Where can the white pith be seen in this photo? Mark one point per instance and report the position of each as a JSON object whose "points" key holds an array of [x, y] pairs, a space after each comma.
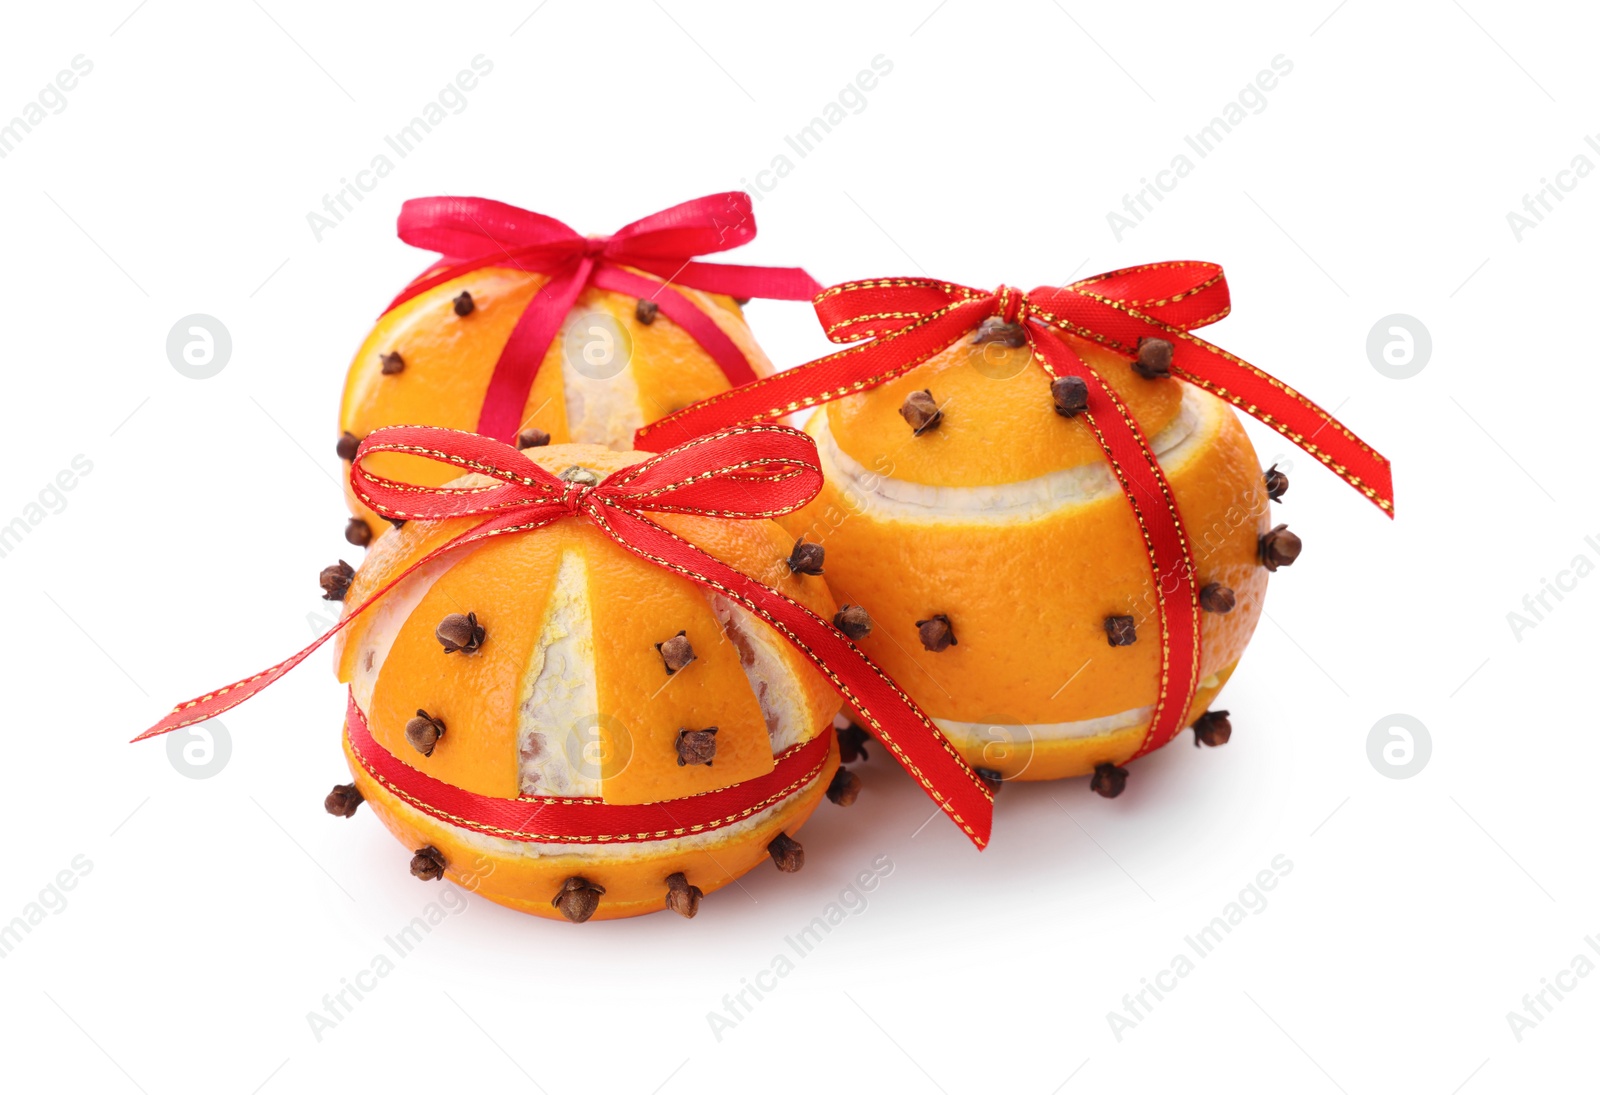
{"points": [[762, 661], [888, 498], [557, 739], [601, 412], [386, 618], [972, 737]]}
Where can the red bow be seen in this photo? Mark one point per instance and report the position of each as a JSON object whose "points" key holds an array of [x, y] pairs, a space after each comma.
{"points": [[471, 233], [747, 473], [909, 320]]}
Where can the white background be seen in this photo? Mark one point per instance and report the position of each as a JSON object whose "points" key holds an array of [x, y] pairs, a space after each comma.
{"points": [[218, 912]]}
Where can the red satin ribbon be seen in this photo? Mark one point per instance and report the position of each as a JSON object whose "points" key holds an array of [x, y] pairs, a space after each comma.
{"points": [[471, 233], [747, 473], [552, 820], [909, 320]]}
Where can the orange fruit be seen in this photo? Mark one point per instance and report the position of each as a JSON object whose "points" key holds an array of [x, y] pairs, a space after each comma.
{"points": [[605, 374], [1004, 520], [565, 693]]}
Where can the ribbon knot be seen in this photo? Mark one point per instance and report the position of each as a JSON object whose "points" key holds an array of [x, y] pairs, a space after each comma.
{"points": [[1010, 303], [639, 259], [745, 473]]}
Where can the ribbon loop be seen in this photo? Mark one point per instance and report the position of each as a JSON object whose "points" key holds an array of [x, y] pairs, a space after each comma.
{"points": [[474, 233]]}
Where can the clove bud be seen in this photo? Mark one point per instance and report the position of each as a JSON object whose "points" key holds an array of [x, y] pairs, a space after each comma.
{"points": [[936, 633], [1212, 728], [1216, 597], [357, 532], [806, 558], [427, 864], [336, 580], [1070, 394], [921, 412], [854, 622], [1277, 483], [348, 444], [683, 898], [531, 438], [787, 853], [852, 744], [463, 304], [424, 732], [992, 777], [1279, 547], [675, 653], [844, 787], [458, 633], [393, 363], [1108, 780], [645, 312], [342, 800], [578, 898], [1121, 630], [697, 746], [1155, 358], [995, 329], [577, 473]]}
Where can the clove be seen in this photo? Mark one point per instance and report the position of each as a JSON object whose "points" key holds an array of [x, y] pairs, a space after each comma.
{"points": [[336, 580], [1108, 780], [424, 732], [1216, 597], [342, 800], [1120, 630], [786, 853], [936, 633], [460, 634], [844, 787], [675, 653], [427, 864], [1279, 547], [697, 746], [578, 898], [921, 412], [683, 898], [854, 622], [1212, 728]]}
